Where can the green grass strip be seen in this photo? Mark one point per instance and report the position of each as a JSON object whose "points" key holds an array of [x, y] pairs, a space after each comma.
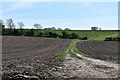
{"points": [[71, 49], [61, 55]]}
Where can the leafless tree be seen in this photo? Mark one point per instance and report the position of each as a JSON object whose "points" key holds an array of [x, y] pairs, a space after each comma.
{"points": [[37, 26], [10, 25], [1, 22], [20, 24], [1, 26], [13, 25]]}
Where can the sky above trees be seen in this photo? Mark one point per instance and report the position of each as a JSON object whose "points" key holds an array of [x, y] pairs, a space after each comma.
{"points": [[74, 15]]}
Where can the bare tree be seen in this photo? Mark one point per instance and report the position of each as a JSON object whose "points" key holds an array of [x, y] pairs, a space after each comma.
{"points": [[20, 24], [10, 25], [37, 26], [1, 22], [13, 25], [2, 26]]}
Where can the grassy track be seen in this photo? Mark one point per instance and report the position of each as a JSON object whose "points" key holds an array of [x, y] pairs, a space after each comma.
{"points": [[71, 49]]}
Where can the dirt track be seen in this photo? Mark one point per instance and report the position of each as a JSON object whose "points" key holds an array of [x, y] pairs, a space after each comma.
{"points": [[84, 67], [89, 68]]}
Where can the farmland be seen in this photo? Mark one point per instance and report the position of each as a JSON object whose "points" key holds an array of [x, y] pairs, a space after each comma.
{"points": [[104, 50], [59, 40], [45, 57], [84, 61], [29, 55], [32, 46]]}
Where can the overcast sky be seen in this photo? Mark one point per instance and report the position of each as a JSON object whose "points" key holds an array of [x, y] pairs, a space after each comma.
{"points": [[74, 15]]}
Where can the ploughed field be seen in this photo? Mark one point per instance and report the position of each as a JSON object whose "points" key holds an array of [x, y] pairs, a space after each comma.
{"points": [[104, 50], [29, 55], [18, 47]]}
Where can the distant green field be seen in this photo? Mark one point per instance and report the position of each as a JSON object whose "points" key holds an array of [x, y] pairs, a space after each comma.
{"points": [[92, 35]]}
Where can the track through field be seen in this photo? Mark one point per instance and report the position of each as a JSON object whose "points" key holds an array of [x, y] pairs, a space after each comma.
{"points": [[85, 67]]}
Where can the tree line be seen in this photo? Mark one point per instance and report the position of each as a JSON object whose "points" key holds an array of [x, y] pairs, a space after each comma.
{"points": [[37, 31]]}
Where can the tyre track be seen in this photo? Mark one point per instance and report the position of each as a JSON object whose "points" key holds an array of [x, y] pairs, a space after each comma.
{"points": [[84, 67]]}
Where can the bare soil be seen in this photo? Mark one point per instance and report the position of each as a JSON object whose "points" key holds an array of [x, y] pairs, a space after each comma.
{"points": [[30, 56], [103, 50], [103, 65], [85, 68]]}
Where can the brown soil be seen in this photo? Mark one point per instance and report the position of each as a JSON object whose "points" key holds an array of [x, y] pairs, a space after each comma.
{"points": [[104, 50], [33, 58], [85, 68], [30, 56]]}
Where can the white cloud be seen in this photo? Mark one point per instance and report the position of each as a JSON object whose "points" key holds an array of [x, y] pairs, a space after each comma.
{"points": [[16, 6]]}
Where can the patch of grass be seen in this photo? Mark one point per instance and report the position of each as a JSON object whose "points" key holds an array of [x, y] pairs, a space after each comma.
{"points": [[73, 45], [71, 49], [61, 55]]}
